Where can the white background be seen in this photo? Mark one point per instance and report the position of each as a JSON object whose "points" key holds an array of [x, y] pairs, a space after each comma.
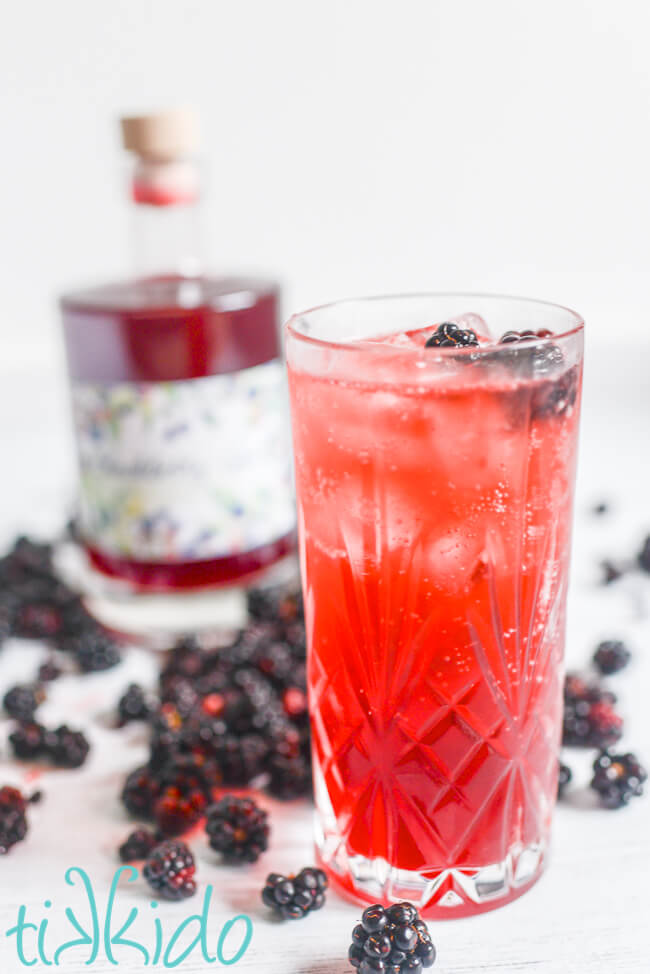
{"points": [[354, 147]]}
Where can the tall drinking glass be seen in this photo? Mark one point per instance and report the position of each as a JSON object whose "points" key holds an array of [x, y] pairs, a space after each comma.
{"points": [[435, 493]]}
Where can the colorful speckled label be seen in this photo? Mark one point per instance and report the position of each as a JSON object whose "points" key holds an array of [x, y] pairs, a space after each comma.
{"points": [[189, 470]]}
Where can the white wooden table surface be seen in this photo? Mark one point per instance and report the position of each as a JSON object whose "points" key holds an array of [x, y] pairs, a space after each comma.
{"points": [[589, 913]]}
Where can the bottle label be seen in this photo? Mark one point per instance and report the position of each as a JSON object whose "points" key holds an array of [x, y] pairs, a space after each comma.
{"points": [[187, 470]]}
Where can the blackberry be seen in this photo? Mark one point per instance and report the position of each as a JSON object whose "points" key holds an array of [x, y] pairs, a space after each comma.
{"points": [[66, 748], [393, 940], [170, 870], [449, 335], [238, 829], [94, 651], [591, 724], [273, 604], [39, 620], [601, 508], [49, 670], [644, 555], [133, 705], [32, 556], [180, 692], [294, 704], [564, 778], [293, 897], [190, 773], [13, 820], [617, 779], [611, 656], [137, 845], [186, 659], [240, 759], [166, 726], [140, 792], [28, 741], [290, 777], [589, 716], [176, 811], [22, 700]]}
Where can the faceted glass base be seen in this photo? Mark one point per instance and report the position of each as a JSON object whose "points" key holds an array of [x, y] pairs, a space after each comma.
{"points": [[442, 894]]}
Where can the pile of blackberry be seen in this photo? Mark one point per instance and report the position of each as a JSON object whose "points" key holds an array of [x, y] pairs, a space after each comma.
{"points": [[228, 716], [36, 604], [293, 897], [590, 720], [391, 940]]}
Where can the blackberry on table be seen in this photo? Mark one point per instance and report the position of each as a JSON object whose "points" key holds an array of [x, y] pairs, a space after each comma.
{"points": [[273, 604], [66, 748], [49, 670], [94, 651], [589, 716], [28, 741], [137, 845], [617, 779], [133, 705], [611, 656], [170, 870], [293, 897], [238, 828], [393, 940], [564, 778], [140, 792], [22, 700], [13, 820], [39, 620]]}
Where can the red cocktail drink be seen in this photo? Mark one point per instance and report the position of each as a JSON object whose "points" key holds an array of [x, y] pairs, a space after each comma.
{"points": [[435, 491]]}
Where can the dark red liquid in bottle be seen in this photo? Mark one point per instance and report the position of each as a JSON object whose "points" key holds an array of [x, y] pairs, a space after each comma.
{"points": [[167, 329]]}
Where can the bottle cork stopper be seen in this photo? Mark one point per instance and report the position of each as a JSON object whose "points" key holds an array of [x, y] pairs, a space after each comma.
{"points": [[163, 136]]}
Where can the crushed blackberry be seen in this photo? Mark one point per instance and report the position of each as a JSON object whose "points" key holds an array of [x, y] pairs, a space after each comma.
{"points": [[170, 870], [293, 897], [393, 940], [49, 670], [644, 555], [140, 792], [238, 829], [28, 741], [290, 777], [66, 748], [94, 651], [564, 778], [449, 335], [22, 700], [617, 779], [137, 845], [13, 820], [176, 811], [134, 704], [611, 572], [611, 656]]}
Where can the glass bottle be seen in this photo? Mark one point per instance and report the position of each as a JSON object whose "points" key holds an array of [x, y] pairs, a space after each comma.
{"points": [[178, 396]]}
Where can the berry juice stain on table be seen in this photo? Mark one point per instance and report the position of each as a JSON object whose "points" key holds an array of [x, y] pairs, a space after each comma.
{"points": [[178, 397], [435, 472]]}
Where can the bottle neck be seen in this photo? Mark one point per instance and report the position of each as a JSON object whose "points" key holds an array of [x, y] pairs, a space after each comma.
{"points": [[166, 219]]}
